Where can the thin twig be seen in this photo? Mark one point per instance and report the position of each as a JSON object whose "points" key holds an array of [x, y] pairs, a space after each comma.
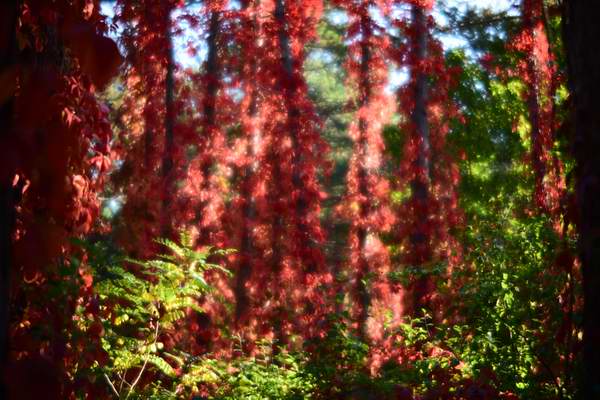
{"points": [[122, 380], [137, 379], [111, 386]]}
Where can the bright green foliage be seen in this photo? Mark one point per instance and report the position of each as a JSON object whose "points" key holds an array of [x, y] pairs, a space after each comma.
{"points": [[339, 361], [509, 289], [511, 296], [343, 365], [142, 299], [265, 376]]}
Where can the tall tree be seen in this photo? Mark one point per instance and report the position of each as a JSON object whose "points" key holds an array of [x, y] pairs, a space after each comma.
{"points": [[367, 201], [539, 69], [420, 235], [8, 192], [54, 162], [583, 55], [245, 221], [211, 145], [151, 163], [167, 162], [294, 156], [427, 171]]}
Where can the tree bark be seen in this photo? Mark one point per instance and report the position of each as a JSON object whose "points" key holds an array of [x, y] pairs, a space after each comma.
{"points": [[581, 32], [209, 118], [244, 272], [420, 185], [8, 194], [167, 161], [362, 287], [293, 114]]}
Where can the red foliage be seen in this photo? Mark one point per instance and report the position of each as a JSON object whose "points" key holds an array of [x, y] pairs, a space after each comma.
{"points": [[428, 171], [247, 225], [539, 71], [58, 158], [282, 154], [366, 204], [144, 151], [542, 77], [164, 190], [205, 184], [450, 381]]}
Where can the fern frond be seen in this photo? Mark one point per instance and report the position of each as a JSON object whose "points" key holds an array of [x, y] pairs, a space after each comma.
{"points": [[162, 365]]}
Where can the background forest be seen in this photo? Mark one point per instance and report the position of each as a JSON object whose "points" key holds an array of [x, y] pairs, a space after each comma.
{"points": [[285, 199]]}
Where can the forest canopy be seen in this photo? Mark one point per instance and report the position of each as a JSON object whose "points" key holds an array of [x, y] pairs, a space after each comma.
{"points": [[286, 199]]}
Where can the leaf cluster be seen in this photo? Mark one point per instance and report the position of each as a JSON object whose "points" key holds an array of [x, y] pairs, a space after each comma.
{"points": [[142, 302]]}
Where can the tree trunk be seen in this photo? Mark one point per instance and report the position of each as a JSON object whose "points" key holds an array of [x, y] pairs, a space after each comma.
{"points": [[581, 33], [8, 194], [209, 118], [542, 84], [167, 161], [244, 272], [419, 239], [362, 287], [293, 115]]}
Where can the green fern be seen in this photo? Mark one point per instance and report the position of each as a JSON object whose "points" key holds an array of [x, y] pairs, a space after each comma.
{"points": [[141, 304]]}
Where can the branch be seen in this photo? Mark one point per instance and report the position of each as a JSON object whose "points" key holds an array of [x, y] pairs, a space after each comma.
{"points": [[111, 386], [137, 379], [123, 381]]}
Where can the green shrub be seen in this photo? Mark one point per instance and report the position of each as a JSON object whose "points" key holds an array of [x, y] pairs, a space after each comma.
{"points": [[139, 300]]}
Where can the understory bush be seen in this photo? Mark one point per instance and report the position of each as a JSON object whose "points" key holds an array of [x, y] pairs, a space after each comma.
{"points": [[143, 303]]}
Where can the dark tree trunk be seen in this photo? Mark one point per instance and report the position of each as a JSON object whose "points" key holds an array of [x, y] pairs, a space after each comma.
{"points": [[581, 37], [420, 185], [209, 119], [212, 71], [8, 194], [167, 162], [284, 39], [362, 287], [244, 272], [293, 114], [293, 123]]}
